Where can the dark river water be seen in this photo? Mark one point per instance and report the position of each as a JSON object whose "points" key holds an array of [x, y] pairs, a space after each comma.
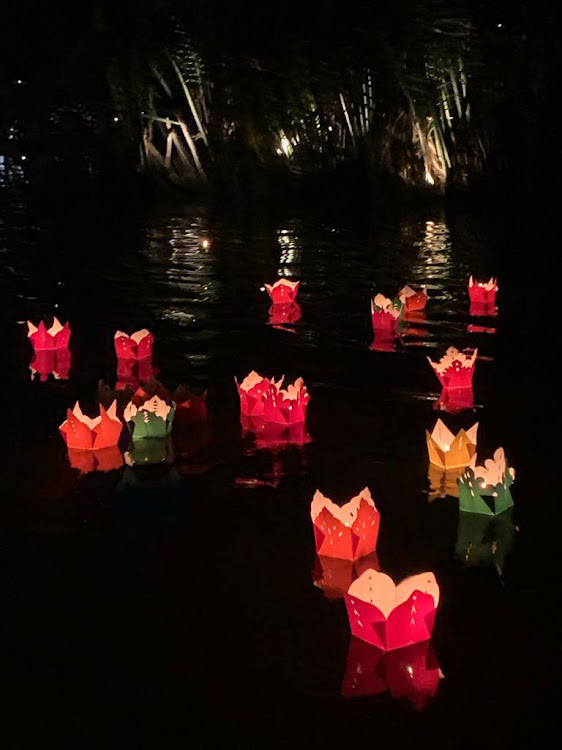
{"points": [[183, 599]]}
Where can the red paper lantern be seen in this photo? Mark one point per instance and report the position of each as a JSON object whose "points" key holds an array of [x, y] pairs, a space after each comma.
{"points": [[483, 292], [283, 291], [48, 339], [252, 391], [384, 315], [136, 346]]}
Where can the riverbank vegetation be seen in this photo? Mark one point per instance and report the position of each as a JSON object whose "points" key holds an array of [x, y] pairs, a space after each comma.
{"points": [[429, 95]]}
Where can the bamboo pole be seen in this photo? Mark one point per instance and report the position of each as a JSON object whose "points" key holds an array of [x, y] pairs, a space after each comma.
{"points": [[192, 148], [348, 121], [190, 103]]}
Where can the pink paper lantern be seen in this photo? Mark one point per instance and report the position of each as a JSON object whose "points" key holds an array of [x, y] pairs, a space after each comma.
{"points": [[286, 406], [455, 369], [389, 616]]}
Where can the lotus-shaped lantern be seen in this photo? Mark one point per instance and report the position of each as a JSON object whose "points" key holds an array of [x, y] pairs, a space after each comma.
{"points": [[386, 313], [391, 616], [48, 339], [348, 532], [150, 412], [83, 433], [252, 391], [283, 291], [455, 369], [448, 451], [485, 489], [483, 292], [136, 346]]}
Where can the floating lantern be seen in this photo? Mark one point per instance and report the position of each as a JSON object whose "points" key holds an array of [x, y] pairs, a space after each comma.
{"points": [[189, 407], [389, 616], [411, 672], [55, 362], [285, 313], [455, 369], [483, 292], [136, 346], [347, 532], [334, 575], [448, 451], [413, 301], [82, 433], [104, 459], [485, 540], [252, 391], [385, 313], [286, 406], [48, 339], [283, 291], [485, 489], [150, 412]]}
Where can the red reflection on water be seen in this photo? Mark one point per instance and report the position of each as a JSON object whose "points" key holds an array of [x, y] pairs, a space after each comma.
{"points": [[454, 401], [483, 309], [384, 341], [480, 329], [411, 672], [273, 435], [131, 373], [55, 362], [281, 314], [335, 576]]}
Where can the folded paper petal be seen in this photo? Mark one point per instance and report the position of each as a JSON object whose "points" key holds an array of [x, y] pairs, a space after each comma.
{"points": [[389, 616], [286, 406]]}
